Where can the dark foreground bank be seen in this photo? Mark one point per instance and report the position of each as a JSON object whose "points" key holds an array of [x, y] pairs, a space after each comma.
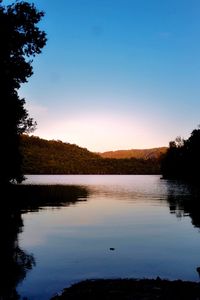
{"points": [[132, 289]]}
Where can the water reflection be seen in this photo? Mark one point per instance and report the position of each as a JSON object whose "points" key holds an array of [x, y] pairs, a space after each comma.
{"points": [[127, 213], [184, 200], [15, 262]]}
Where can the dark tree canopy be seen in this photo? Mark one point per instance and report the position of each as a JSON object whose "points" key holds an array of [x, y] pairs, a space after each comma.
{"points": [[182, 160], [20, 40]]}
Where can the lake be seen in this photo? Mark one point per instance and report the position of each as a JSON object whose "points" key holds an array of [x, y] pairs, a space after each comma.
{"points": [[116, 226]]}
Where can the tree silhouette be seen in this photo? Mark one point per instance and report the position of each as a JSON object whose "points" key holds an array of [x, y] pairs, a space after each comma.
{"points": [[182, 159], [20, 40]]}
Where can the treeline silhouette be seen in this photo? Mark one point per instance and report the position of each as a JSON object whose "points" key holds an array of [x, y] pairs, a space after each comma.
{"points": [[55, 157], [182, 159]]}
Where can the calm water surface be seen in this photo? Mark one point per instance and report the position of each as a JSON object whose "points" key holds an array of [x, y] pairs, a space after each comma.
{"points": [[148, 222]]}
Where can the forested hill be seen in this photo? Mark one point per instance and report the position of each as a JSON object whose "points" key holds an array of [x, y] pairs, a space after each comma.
{"points": [[55, 157], [43, 156], [135, 153]]}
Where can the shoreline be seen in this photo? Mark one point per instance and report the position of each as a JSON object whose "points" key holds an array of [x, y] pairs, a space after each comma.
{"points": [[131, 289]]}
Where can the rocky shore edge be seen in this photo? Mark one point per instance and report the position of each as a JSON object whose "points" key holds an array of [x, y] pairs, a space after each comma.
{"points": [[131, 289]]}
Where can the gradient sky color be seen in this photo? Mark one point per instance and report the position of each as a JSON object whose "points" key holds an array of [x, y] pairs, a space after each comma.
{"points": [[117, 74]]}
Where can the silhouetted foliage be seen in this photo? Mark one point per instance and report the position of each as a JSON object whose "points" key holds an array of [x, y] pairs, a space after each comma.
{"points": [[182, 159], [20, 40], [55, 157]]}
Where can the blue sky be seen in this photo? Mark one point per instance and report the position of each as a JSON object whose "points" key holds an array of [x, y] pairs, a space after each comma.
{"points": [[117, 74]]}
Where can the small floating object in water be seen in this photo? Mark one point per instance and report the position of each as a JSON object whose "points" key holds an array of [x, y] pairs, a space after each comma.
{"points": [[112, 249]]}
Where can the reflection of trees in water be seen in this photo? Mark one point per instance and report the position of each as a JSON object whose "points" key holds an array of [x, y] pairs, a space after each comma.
{"points": [[184, 200], [15, 262]]}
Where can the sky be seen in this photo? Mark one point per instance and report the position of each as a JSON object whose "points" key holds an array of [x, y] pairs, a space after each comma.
{"points": [[117, 74]]}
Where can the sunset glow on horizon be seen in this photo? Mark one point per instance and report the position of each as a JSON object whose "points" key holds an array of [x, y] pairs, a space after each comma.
{"points": [[100, 133]]}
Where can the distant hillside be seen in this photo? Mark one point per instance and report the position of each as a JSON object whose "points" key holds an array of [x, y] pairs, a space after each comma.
{"points": [[153, 153], [43, 156], [55, 157]]}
